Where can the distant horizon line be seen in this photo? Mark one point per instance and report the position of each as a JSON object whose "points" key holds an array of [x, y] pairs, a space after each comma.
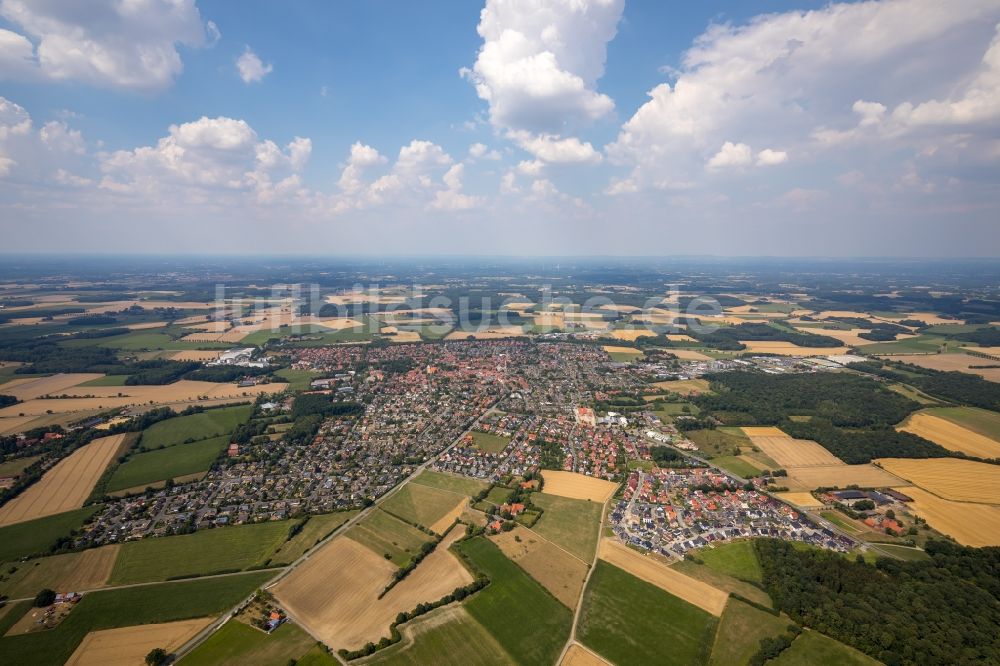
{"points": [[389, 256]]}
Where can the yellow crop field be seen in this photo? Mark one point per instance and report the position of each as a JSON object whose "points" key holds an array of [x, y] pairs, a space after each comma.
{"points": [[950, 478], [841, 476], [926, 317], [616, 349], [444, 521], [86, 570], [577, 655], [970, 524], [487, 334], [558, 571], [334, 594], [788, 349], [578, 486], [953, 362], [127, 646], [800, 499], [30, 388], [684, 386], [693, 591], [631, 334], [404, 336], [64, 487], [196, 355], [951, 436], [107, 397], [789, 452], [763, 431]]}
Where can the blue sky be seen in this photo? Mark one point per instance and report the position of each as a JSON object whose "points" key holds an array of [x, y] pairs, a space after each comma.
{"points": [[510, 127]]}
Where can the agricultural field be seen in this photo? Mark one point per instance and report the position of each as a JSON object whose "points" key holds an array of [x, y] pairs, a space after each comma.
{"points": [[622, 354], [31, 388], [578, 655], [201, 553], [714, 442], [840, 476], [13, 468], [317, 528], [180, 394], [788, 349], [790, 452], [919, 345], [578, 486], [558, 571], [426, 506], [950, 435], [126, 646], [35, 537], [812, 647], [738, 466], [65, 486], [180, 429], [737, 559], [721, 581], [86, 570], [683, 386], [628, 621], [648, 569], [969, 524], [348, 614], [949, 478], [489, 442], [954, 362], [387, 535], [447, 636], [631, 334], [298, 380], [452, 482], [128, 607], [518, 612], [800, 499], [981, 421], [740, 631], [239, 643], [179, 460], [571, 524]]}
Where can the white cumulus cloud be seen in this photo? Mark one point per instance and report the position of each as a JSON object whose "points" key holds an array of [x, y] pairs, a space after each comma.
{"points": [[251, 68]]}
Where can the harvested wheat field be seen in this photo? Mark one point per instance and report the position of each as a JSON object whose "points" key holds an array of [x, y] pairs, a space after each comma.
{"points": [[335, 593], [954, 362], [558, 571], [31, 388], [86, 570], [850, 337], [951, 436], [788, 451], [840, 476], [487, 334], [684, 386], [64, 487], [196, 355], [800, 499], [788, 349], [827, 314], [763, 431], [128, 646], [693, 591], [404, 336], [203, 337], [617, 349], [577, 655], [578, 486], [950, 478], [446, 520], [632, 334], [970, 524], [107, 397]]}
